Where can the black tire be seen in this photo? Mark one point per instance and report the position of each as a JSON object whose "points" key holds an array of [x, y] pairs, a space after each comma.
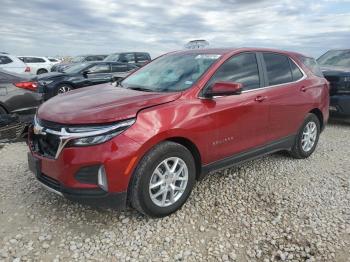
{"points": [[297, 150], [2, 111], [41, 71], [59, 88], [140, 187]]}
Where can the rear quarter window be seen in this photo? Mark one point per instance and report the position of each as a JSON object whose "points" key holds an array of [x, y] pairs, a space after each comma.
{"points": [[312, 65]]}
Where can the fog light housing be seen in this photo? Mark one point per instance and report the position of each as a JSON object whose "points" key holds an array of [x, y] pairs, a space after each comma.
{"points": [[102, 178]]}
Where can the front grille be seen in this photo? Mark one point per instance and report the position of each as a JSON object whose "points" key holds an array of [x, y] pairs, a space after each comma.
{"points": [[46, 144], [50, 182]]}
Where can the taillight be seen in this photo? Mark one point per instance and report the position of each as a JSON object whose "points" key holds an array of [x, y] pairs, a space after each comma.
{"points": [[32, 86], [27, 70]]}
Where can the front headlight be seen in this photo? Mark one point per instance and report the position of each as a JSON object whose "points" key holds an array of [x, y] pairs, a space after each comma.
{"points": [[87, 136]]}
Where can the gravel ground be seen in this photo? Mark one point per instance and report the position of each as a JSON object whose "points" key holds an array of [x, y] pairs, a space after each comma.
{"points": [[275, 208]]}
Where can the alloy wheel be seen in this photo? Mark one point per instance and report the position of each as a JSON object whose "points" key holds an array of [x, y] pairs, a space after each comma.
{"points": [[309, 136], [168, 181], [64, 89]]}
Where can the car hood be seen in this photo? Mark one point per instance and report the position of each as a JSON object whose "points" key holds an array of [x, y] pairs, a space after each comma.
{"points": [[100, 104], [335, 70]]}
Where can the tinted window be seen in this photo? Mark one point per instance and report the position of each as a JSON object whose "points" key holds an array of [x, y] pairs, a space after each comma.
{"points": [[52, 60], [127, 58], [278, 69], [103, 68], [296, 72], [32, 60], [142, 57], [5, 60], [90, 58], [312, 65], [335, 58], [119, 68], [242, 69]]}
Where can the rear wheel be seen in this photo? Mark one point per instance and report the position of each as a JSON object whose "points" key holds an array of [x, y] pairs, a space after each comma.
{"points": [[64, 88], [41, 71], [307, 138], [163, 180]]}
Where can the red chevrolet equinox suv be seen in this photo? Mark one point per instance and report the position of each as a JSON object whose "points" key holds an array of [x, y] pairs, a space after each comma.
{"points": [[145, 142]]}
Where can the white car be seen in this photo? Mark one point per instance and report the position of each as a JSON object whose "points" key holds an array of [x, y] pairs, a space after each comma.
{"points": [[37, 64], [12, 63]]}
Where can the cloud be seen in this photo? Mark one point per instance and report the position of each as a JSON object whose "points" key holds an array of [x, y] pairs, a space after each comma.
{"points": [[41, 27]]}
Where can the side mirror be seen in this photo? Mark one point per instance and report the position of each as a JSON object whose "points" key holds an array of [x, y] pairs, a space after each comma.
{"points": [[85, 73], [224, 89]]}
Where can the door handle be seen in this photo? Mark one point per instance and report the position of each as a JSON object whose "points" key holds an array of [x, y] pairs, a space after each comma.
{"points": [[303, 89], [260, 98]]}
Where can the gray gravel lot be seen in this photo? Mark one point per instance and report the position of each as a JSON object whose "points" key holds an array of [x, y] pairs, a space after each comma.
{"points": [[275, 208]]}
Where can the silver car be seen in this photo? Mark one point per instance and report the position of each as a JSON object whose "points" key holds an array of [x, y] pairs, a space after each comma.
{"points": [[18, 94]]}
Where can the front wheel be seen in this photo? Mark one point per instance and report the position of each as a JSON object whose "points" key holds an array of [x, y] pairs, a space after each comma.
{"points": [[163, 180], [307, 138]]}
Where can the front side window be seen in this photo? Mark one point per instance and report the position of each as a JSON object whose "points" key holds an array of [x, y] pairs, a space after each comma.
{"points": [[104, 68], [171, 73], [127, 58], [5, 60], [278, 69], [242, 68], [112, 58], [142, 58]]}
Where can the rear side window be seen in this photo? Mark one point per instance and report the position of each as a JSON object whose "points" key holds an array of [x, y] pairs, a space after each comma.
{"points": [[312, 65], [5, 60], [242, 68], [296, 72], [100, 68], [32, 60], [278, 69]]}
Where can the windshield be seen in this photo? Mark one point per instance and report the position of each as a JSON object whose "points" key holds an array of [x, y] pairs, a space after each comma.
{"points": [[112, 58], [76, 68], [78, 59], [171, 73], [335, 58]]}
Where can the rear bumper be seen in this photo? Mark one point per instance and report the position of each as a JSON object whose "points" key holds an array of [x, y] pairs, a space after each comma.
{"points": [[340, 106]]}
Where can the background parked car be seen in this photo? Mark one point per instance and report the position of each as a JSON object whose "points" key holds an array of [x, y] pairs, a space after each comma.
{"points": [[78, 59], [12, 64], [336, 69], [18, 93], [134, 58], [82, 75], [54, 60], [37, 64]]}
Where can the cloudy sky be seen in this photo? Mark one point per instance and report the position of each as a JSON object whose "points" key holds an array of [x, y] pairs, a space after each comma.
{"points": [[62, 27]]}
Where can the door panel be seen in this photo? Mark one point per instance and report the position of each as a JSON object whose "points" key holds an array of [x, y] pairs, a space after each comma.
{"points": [[240, 120], [241, 123]]}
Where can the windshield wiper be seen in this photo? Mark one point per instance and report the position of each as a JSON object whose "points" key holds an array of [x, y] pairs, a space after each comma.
{"points": [[139, 88]]}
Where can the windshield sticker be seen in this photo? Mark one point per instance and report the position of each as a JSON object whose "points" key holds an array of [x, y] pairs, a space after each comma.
{"points": [[207, 56]]}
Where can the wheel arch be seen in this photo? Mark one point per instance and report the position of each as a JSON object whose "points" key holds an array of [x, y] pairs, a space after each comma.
{"points": [[319, 115], [192, 148]]}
